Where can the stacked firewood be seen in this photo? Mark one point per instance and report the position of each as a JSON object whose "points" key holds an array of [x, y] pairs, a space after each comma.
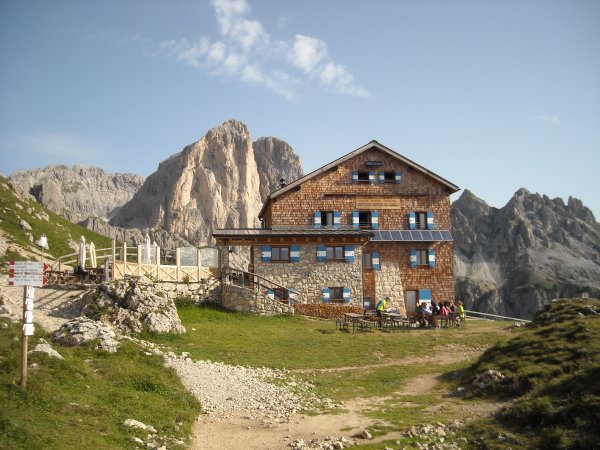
{"points": [[326, 310]]}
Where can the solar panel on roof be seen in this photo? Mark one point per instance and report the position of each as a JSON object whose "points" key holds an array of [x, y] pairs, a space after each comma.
{"points": [[436, 235], [415, 235], [405, 235], [446, 235], [426, 234], [396, 235]]}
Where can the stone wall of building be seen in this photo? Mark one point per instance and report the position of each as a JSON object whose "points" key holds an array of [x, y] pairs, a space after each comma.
{"points": [[208, 290], [308, 277], [397, 276], [236, 298]]}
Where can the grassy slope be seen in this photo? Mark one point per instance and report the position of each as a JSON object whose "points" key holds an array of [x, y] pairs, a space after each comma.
{"points": [[552, 373], [83, 400], [58, 230]]}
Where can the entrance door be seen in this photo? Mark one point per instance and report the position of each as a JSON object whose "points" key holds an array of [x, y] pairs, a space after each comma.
{"points": [[369, 280], [410, 300]]}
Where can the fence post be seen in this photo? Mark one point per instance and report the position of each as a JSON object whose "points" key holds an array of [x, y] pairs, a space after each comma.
{"points": [[124, 259], [177, 264], [139, 260], [198, 262], [157, 259]]}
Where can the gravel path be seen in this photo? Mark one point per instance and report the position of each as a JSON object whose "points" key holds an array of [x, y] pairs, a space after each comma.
{"points": [[263, 395]]}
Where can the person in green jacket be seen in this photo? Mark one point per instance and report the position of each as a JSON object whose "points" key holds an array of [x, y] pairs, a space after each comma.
{"points": [[381, 304]]}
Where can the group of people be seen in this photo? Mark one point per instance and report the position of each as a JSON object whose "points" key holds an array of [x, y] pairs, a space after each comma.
{"points": [[431, 315]]}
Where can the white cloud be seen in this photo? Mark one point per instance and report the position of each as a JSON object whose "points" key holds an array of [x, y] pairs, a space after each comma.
{"points": [[247, 52], [554, 120], [307, 52]]}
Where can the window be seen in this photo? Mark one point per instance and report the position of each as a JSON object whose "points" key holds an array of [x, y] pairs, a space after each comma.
{"points": [[335, 254], [363, 177], [367, 261], [364, 219], [336, 294], [422, 257], [420, 220], [389, 177], [327, 218], [280, 254]]}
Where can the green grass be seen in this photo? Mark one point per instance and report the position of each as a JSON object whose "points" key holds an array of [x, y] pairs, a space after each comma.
{"points": [[297, 342], [59, 231], [551, 369], [83, 400], [551, 372]]}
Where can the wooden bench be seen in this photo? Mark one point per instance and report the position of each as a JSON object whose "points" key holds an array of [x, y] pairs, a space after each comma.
{"points": [[342, 324]]}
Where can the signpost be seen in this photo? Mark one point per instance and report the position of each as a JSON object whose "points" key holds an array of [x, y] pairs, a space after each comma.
{"points": [[27, 274]]}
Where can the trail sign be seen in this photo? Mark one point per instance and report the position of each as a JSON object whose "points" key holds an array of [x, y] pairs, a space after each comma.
{"points": [[27, 273], [26, 279], [27, 267]]}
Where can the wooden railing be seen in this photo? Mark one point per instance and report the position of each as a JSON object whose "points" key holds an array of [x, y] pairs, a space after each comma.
{"points": [[124, 261], [258, 283]]}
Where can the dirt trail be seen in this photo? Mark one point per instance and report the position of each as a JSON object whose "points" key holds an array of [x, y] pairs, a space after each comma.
{"points": [[237, 432]]}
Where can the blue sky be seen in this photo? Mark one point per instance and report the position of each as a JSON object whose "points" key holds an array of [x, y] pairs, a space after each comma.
{"points": [[492, 95]]}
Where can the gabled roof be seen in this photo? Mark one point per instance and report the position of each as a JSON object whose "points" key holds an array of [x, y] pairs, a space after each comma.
{"points": [[371, 145]]}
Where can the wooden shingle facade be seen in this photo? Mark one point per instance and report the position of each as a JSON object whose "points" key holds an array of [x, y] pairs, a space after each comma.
{"points": [[368, 225]]}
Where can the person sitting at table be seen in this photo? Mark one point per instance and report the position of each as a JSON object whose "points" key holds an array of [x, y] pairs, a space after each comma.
{"points": [[381, 304], [445, 311], [424, 316]]}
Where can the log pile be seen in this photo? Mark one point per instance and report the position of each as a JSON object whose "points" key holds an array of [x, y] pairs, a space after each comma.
{"points": [[326, 310]]}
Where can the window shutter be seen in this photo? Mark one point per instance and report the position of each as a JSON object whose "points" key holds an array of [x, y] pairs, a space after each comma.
{"points": [[355, 223], [425, 295], [430, 224], [375, 220], [367, 303], [321, 253], [376, 265], [271, 294], [292, 296], [432, 257], [346, 295], [317, 220], [382, 177], [295, 253], [325, 295], [413, 258], [398, 177], [412, 220], [337, 218], [266, 253], [355, 177], [349, 253], [372, 177]]}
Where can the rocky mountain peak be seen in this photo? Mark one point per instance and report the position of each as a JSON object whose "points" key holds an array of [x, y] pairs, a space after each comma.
{"points": [[216, 182], [514, 259], [78, 192]]}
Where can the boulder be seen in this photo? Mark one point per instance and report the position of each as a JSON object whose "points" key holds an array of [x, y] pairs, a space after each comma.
{"points": [[132, 306], [46, 348], [80, 331]]}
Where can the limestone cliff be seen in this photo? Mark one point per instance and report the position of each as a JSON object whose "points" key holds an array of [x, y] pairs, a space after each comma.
{"points": [[78, 192], [513, 260], [217, 182]]}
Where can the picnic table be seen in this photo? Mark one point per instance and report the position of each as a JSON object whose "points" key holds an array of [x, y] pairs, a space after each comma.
{"points": [[395, 320]]}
